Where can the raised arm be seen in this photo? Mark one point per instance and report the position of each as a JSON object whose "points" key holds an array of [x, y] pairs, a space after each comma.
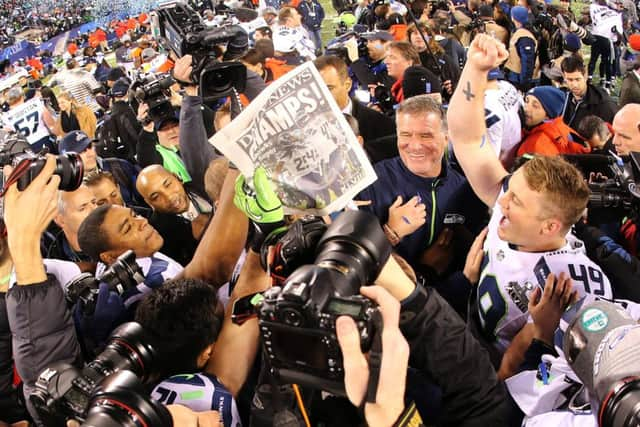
{"points": [[467, 129], [222, 241]]}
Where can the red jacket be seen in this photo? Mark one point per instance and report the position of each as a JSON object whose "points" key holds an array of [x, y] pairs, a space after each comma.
{"points": [[551, 138]]}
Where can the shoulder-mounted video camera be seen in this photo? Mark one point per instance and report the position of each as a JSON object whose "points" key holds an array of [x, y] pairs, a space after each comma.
{"points": [[154, 91], [179, 28]]}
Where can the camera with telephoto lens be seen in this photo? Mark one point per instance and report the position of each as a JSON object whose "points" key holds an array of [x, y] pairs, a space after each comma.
{"points": [[155, 92], [121, 276], [102, 393], [298, 320], [180, 29], [601, 346], [15, 151], [619, 194]]}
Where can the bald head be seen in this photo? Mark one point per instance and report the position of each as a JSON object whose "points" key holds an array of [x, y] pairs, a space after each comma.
{"points": [[626, 125], [162, 190]]}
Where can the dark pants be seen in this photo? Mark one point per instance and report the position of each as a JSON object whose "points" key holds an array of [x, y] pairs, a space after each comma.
{"points": [[601, 48], [10, 408]]}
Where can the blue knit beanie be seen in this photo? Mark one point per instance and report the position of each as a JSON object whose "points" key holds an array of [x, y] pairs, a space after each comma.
{"points": [[572, 42], [520, 14], [551, 98]]}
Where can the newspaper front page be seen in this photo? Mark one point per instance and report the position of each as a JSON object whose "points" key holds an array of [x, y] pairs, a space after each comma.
{"points": [[295, 130]]}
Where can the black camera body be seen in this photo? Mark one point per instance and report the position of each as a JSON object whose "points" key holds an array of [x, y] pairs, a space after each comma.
{"points": [[298, 320], [154, 91], [619, 193], [63, 391], [15, 150], [299, 337], [180, 29], [121, 276]]}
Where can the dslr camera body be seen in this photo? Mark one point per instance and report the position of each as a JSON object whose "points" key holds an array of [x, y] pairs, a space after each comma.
{"points": [[180, 29], [298, 320], [107, 391], [121, 276], [15, 151]]}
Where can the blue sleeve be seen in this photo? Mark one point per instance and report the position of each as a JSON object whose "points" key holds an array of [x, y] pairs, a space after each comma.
{"points": [[320, 12], [526, 48]]}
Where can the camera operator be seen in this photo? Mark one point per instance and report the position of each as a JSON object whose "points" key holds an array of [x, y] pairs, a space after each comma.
{"points": [[370, 71], [443, 348], [41, 326], [179, 214], [123, 123], [195, 150], [10, 407]]}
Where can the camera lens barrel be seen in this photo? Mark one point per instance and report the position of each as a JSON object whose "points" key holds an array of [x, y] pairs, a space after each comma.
{"points": [[356, 241]]}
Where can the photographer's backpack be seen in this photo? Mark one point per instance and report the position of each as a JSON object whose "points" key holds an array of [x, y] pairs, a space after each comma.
{"points": [[108, 142]]}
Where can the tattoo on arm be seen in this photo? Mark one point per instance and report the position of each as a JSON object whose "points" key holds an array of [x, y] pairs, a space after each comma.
{"points": [[467, 92]]}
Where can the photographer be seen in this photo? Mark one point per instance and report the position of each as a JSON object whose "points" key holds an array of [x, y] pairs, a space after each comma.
{"points": [[370, 70], [37, 339], [123, 123], [195, 150], [443, 349]]}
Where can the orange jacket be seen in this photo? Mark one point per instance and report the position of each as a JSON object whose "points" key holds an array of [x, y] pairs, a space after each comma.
{"points": [[551, 138], [278, 67], [399, 32]]}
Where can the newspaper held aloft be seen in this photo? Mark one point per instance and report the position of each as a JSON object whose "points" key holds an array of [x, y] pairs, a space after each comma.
{"points": [[295, 130]]}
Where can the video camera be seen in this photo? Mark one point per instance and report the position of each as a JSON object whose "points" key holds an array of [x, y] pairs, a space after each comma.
{"points": [[298, 319], [107, 391], [619, 192], [340, 46], [180, 29], [121, 276], [601, 347], [154, 91]]}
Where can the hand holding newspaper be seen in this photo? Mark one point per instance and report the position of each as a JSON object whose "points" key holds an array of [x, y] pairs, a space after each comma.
{"points": [[295, 130]]}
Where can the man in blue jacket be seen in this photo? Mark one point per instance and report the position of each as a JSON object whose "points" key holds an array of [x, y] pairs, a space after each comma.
{"points": [[312, 16], [420, 199]]}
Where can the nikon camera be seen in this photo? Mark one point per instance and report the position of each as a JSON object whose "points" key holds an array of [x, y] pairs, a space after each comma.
{"points": [[121, 276], [298, 320]]}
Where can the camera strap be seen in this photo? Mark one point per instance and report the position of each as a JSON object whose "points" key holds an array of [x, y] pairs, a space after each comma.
{"points": [[375, 358]]}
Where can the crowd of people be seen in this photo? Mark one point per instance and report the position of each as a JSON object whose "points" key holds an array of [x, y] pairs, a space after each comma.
{"points": [[506, 164], [50, 18]]}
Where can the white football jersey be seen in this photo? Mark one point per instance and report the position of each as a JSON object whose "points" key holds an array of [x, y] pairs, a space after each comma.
{"points": [[508, 276], [27, 120], [199, 392]]}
